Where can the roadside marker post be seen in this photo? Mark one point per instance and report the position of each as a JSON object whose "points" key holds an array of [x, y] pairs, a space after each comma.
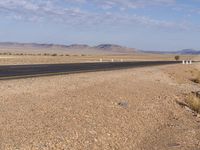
{"points": [[187, 62], [112, 60], [101, 60]]}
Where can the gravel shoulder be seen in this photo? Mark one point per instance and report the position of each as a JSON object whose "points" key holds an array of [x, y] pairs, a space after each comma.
{"points": [[125, 109]]}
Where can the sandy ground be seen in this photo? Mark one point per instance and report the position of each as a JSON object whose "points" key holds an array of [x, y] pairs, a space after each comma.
{"points": [[13, 60], [133, 109]]}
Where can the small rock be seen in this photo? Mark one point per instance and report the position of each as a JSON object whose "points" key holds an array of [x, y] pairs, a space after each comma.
{"points": [[195, 114], [95, 140], [198, 115], [198, 94], [174, 145], [188, 109], [108, 134], [198, 121], [123, 104]]}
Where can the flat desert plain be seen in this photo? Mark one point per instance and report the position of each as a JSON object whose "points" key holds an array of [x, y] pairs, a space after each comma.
{"points": [[131, 109], [25, 59]]}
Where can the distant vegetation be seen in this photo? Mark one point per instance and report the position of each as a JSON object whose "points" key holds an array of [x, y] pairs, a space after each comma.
{"points": [[197, 79], [177, 58], [54, 55], [26, 54], [193, 101]]}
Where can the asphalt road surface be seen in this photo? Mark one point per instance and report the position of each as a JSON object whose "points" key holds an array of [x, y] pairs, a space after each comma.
{"points": [[25, 71]]}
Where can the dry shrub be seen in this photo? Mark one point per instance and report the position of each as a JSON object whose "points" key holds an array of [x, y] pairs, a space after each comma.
{"points": [[193, 102], [197, 79], [46, 54], [54, 54]]}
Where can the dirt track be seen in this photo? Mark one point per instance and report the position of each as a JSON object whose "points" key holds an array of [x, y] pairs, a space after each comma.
{"points": [[82, 111]]}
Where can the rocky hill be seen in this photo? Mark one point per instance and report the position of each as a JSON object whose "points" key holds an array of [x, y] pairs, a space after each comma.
{"points": [[74, 48]]}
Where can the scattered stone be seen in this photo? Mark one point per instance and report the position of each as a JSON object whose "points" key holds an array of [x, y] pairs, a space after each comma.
{"points": [[197, 93], [188, 109], [195, 114], [174, 145], [198, 115], [182, 104], [123, 104], [95, 140]]}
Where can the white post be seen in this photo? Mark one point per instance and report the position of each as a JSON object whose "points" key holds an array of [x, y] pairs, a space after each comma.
{"points": [[112, 60], [183, 62], [190, 61], [101, 60], [122, 60], [187, 62]]}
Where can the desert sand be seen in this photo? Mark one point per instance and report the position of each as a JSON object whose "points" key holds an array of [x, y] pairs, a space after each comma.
{"points": [[122, 109], [25, 59]]}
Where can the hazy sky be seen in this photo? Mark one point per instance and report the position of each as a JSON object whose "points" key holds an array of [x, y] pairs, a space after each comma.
{"points": [[142, 24]]}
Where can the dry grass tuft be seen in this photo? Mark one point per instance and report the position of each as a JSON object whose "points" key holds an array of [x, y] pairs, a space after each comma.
{"points": [[193, 102], [197, 79]]}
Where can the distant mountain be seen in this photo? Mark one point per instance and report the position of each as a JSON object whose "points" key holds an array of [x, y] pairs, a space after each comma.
{"points": [[115, 48], [108, 46], [74, 48], [189, 51], [34, 45], [77, 46], [181, 52]]}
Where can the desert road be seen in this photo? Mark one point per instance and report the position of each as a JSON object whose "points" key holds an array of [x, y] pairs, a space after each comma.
{"points": [[25, 71]]}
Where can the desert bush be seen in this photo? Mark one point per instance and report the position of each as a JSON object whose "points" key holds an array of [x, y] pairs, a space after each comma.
{"points": [[54, 54], [197, 79], [193, 101], [46, 54], [5, 53], [177, 58]]}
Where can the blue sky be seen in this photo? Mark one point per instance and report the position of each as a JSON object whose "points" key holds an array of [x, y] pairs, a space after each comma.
{"points": [[142, 24]]}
